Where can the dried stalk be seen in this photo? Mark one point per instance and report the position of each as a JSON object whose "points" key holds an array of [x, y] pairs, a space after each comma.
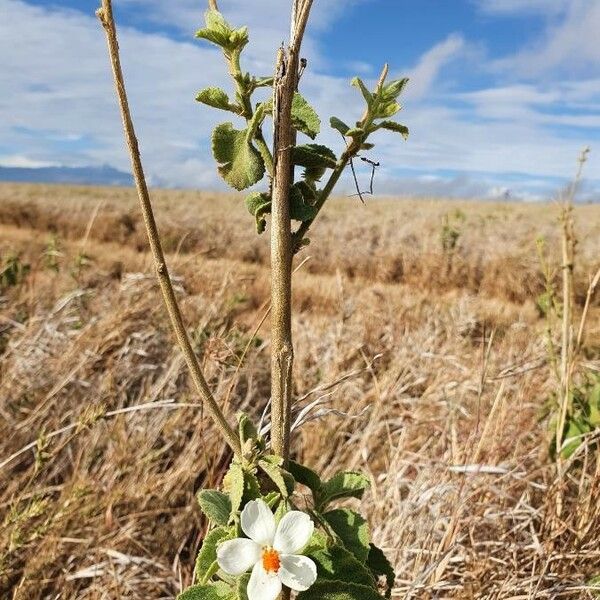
{"points": [[106, 18], [282, 354]]}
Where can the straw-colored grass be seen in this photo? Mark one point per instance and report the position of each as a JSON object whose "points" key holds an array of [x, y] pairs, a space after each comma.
{"points": [[438, 357]]}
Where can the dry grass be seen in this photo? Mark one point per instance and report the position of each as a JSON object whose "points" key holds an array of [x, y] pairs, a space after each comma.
{"points": [[444, 351]]}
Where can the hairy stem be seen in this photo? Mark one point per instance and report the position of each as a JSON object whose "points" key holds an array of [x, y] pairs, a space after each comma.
{"points": [[106, 17], [282, 354]]}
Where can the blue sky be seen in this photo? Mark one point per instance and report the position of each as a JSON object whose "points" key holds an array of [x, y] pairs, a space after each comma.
{"points": [[503, 93]]}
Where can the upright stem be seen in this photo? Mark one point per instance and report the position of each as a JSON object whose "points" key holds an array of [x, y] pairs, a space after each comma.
{"points": [[282, 353], [106, 17]]}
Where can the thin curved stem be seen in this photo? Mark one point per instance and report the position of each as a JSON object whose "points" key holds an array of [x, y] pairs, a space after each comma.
{"points": [[106, 17]]}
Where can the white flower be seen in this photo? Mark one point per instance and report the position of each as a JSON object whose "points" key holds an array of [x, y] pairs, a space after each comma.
{"points": [[271, 552]]}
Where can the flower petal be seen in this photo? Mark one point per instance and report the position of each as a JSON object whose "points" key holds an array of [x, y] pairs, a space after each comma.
{"points": [[297, 572], [263, 585], [258, 522], [237, 556], [293, 532]]}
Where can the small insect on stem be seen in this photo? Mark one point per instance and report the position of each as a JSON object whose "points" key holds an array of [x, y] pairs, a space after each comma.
{"points": [[303, 63], [374, 165]]}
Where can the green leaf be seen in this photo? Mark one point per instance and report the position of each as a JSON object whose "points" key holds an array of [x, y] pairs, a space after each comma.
{"points": [[346, 484], [215, 97], [358, 83], [251, 487], [308, 191], [263, 82], [238, 38], [246, 428], [352, 529], [387, 110], [233, 484], [339, 125], [313, 174], [394, 88], [314, 156], [271, 499], [300, 210], [304, 475], [381, 568], [355, 132], [206, 562], [240, 163], [215, 505], [282, 480], [337, 563], [220, 33], [339, 590], [242, 587], [259, 205], [212, 591], [304, 117], [396, 127], [576, 427], [217, 29]]}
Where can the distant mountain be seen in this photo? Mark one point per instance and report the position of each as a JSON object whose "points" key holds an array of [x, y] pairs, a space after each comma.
{"points": [[103, 175]]}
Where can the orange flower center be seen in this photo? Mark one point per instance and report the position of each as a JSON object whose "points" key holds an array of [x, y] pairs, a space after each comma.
{"points": [[270, 560]]}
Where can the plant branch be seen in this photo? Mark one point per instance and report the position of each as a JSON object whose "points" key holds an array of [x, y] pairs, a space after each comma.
{"points": [[352, 149], [282, 354], [106, 17]]}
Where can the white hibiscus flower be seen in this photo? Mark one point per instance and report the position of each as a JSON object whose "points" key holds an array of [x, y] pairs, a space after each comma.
{"points": [[271, 552]]}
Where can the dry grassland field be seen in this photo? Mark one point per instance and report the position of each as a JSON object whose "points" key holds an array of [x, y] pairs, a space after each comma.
{"points": [[419, 334]]}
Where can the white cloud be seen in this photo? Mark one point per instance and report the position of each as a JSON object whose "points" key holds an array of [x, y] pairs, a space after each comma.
{"points": [[569, 45], [21, 161], [504, 7], [58, 105], [429, 66]]}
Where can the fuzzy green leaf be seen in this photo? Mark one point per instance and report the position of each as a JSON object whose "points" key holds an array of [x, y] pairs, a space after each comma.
{"points": [[215, 97], [355, 132], [314, 156], [304, 475], [263, 82], [242, 587], [300, 209], [381, 569], [217, 29], [396, 127], [215, 505], [251, 487], [387, 110], [313, 174], [211, 591], [304, 117], [308, 191], [259, 205], [346, 484], [282, 480], [233, 484], [238, 38], [240, 163], [393, 89], [246, 428], [352, 529], [339, 125], [358, 83], [206, 562], [337, 563], [339, 590]]}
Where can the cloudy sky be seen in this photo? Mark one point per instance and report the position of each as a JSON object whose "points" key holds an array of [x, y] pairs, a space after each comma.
{"points": [[503, 95]]}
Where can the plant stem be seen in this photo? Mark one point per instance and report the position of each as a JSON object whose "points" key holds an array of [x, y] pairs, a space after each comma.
{"points": [[282, 353], [351, 151], [106, 17]]}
